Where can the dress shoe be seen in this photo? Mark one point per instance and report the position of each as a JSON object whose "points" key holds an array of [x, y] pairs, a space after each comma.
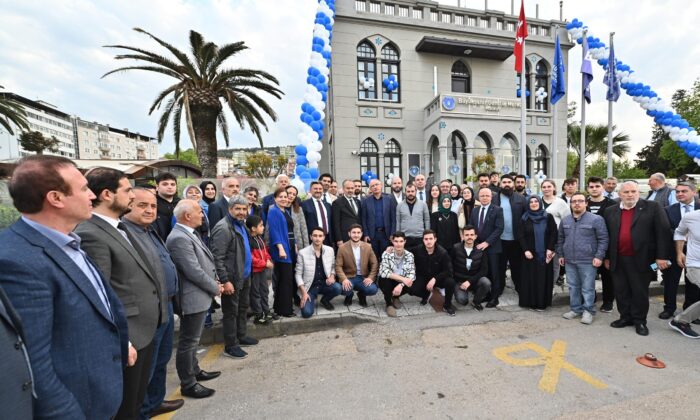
{"points": [[348, 300], [197, 391], [665, 315], [397, 303], [327, 304], [621, 323], [167, 407], [424, 301], [642, 329], [492, 303], [391, 311], [697, 322], [362, 298], [206, 376], [235, 352], [248, 341], [477, 306], [450, 310]]}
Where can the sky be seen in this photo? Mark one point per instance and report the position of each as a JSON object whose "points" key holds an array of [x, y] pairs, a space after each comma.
{"points": [[53, 51]]}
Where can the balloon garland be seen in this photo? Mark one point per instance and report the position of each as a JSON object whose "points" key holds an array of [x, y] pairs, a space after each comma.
{"points": [[315, 98], [673, 124]]}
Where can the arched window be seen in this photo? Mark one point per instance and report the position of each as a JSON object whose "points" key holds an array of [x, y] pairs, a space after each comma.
{"points": [[482, 145], [461, 78], [506, 153], [369, 156], [542, 81], [541, 159], [366, 71], [390, 66], [392, 158], [528, 99]]}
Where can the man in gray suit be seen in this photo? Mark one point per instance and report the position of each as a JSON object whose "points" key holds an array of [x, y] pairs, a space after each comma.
{"points": [[121, 259], [199, 284]]}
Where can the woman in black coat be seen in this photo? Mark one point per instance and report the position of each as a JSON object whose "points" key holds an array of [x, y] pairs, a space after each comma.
{"points": [[538, 239], [444, 223]]}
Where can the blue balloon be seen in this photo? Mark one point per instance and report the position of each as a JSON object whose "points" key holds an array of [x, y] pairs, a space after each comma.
{"points": [[305, 175], [301, 150], [316, 115], [315, 125], [314, 173], [321, 125], [308, 119], [302, 160], [300, 169], [321, 78]]}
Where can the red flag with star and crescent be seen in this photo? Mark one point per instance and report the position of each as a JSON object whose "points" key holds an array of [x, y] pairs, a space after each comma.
{"points": [[520, 35]]}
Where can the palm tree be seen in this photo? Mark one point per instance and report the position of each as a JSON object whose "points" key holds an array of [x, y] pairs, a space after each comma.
{"points": [[12, 112], [596, 142], [201, 86]]}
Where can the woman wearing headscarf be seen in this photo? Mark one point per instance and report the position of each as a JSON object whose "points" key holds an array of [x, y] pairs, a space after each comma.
{"points": [[444, 223], [456, 196], [538, 239], [193, 192], [208, 195], [467, 207]]}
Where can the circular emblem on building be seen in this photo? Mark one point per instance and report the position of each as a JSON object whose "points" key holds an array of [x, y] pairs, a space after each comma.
{"points": [[454, 169], [414, 170], [448, 103]]}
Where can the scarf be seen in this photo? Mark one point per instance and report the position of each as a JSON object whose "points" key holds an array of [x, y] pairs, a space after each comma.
{"points": [[202, 187], [539, 223], [445, 211], [468, 205]]}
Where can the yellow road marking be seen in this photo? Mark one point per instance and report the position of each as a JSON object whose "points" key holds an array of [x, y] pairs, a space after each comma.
{"points": [[553, 362], [212, 354]]}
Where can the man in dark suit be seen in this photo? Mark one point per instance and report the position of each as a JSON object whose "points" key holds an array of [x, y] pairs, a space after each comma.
{"points": [[65, 304], [317, 212], [378, 214], [489, 227], [513, 205], [638, 238], [122, 260], [230, 187], [687, 203], [17, 389], [345, 212]]}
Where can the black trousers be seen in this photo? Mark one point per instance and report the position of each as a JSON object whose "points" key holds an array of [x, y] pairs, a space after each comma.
{"points": [[632, 289], [284, 272], [497, 282], [418, 288], [235, 308], [413, 242], [136, 384], [608, 287], [379, 242], [692, 294], [513, 254]]}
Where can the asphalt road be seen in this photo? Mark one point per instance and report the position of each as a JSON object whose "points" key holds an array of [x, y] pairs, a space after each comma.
{"points": [[497, 364]]}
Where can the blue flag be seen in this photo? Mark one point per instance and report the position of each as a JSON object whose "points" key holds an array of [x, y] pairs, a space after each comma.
{"points": [[586, 71], [558, 82], [611, 80]]}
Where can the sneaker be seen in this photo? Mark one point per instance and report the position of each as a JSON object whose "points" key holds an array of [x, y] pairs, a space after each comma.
{"points": [[271, 316], [479, 307], [560, 281], [235, 352], [261, 320], [248, 341], [348, 300], [327, 304], [397, 303], [683, 328], [362, 298], [571, 315], [606, 308], [449, 309], [391, 311], [587, 318]]}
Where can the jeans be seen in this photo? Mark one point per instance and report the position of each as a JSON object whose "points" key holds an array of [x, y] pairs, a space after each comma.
{"points": [[479, 288], [235, 307], [162, 350], [581, 281], [191, 326], [357, 284], [379, 242], [259, 292], [327, 292]]}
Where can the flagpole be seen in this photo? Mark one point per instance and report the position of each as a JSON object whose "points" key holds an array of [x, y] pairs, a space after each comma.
{"points": [[582, 145], [610, 124], [523, 117], [554, 118]]}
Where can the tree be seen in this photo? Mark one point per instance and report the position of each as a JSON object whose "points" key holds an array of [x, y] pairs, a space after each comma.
{"points": [[34, 141], [12, 112], [201, 87], [483, 163], [281, 162], [649, 158], [258, 165], [596, 142], [188, 155], [622, 169]]}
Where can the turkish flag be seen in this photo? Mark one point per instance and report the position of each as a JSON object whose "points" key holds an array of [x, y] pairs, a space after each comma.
{"points": [[520, 35]]}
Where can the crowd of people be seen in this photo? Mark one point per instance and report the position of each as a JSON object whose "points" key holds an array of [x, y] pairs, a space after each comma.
{"points": [[96, 269]]}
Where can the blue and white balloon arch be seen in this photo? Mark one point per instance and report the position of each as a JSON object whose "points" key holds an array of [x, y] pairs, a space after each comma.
{"points": [[308, 151], [673, 124]]}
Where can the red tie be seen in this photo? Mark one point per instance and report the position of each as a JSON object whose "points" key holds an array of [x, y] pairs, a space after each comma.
{"points": [[323, 216]]}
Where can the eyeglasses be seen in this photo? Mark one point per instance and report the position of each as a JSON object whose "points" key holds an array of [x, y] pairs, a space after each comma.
{"points": [[577, 201]]}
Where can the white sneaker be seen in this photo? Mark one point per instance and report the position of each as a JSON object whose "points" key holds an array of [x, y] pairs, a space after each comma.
{"points": [[571, 315], [587, 318]]}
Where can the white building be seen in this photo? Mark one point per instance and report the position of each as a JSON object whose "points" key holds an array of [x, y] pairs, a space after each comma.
{"points": [[100, 141]]}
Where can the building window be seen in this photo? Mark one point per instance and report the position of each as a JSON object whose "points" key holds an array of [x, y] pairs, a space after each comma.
{"points": [[434, 15], [471, 21], [482, 145], [389, 9], [390, 66], [511, 26], [446, 18], [459, 20], [366, 70], [369, 156], [484, 23], [360, 5], [375, 7], [541, 159], [528, 99], [461, 78], [506, 153], [532, 29], [417, 14], [541, 81], [544, 31], [403, 11], [392, 158]]}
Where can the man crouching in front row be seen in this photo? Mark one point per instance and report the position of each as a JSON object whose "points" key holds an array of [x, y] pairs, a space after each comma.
{"points": [[315, 274]]}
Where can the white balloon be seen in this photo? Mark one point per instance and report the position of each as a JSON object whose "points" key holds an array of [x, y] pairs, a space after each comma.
{"points": [[298, 183], [313, 165], [313, 156]]}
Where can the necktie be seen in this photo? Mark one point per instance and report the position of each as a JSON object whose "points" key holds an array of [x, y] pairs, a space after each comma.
{"points": [[121, 227], [421, 196], [352, 204], [482, 213], [97, 283], [687, 208], [323, 216]]}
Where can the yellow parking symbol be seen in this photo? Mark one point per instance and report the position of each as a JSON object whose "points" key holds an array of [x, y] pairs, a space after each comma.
{"points": [[553, 361]]}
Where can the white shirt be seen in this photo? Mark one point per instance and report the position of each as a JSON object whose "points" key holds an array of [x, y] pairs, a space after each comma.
{"points": [[187, 228], [358, 261], [469, 260], [689, 230], [399, 197], [114, 223], [424, 195]]}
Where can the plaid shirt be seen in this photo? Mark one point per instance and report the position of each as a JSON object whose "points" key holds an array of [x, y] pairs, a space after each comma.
{"points": [[389, 263]]}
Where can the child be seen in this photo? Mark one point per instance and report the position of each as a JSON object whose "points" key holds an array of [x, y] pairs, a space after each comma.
{"points": [[261, 262]]}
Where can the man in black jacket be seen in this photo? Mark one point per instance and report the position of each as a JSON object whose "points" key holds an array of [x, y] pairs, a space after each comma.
{"points": [[433, 270], [345, 211], [470, 269], [167, 199]]}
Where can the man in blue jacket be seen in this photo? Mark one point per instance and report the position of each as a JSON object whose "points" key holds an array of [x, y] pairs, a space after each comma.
{"points": [[65, 304], [378, 212]]}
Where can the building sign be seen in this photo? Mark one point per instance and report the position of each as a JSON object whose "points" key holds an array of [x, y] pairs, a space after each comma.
{"points": [[481, 105]]}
